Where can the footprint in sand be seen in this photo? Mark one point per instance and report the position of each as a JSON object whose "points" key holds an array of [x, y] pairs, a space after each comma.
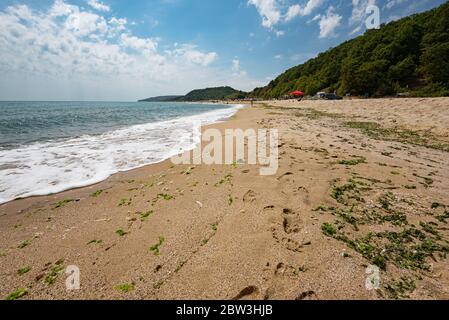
{"points": [[246, 292], [291, 224], [250, 197]]}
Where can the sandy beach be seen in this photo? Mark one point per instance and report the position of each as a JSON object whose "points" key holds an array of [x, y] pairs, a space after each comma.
{"points": [[360, 183]]}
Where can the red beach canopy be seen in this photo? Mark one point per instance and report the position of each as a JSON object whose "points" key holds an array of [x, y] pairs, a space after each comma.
{"points": [[297, 93]]}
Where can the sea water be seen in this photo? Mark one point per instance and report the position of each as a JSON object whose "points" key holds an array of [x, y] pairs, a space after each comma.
{"points": [[49, 147]]}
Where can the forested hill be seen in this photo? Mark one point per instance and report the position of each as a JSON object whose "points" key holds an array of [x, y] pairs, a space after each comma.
{"points": [[408, 55], [162, 99], [219, 93]]}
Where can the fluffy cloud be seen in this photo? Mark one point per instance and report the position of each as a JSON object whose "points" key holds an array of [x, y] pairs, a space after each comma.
{"points": [[293, 12], [99, 5], [271, 11], [71, 49], [311, 6], [328, 23], [268, 10], [191, 55]]}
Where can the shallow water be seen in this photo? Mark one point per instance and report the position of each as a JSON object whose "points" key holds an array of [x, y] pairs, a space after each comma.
{"points": [[48, 147]]}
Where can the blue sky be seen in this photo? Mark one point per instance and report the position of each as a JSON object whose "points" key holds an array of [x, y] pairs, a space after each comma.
{"points": [[125, 50]]}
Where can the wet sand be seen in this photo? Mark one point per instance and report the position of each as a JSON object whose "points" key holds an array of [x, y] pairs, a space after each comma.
{"points": [[360, 183]]}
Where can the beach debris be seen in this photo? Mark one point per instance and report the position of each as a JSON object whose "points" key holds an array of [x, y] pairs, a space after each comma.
{"points": [[199, 204], [230, 200], [37, 235]]}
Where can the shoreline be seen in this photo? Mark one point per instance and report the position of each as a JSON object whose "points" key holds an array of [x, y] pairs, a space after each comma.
{"points": [[80, 185], [168, 231]]}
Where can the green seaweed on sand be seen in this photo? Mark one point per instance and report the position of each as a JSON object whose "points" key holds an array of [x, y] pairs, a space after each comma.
{"points": [[124, 202], [352, 162], [156, 247], [180, 265], [166, 197], [443, 217], [125, 287], [226, 179], [23, 270], [376, 131], [145, 215], [121, 233], [62, 203], [328, 229], [97, 193], [400, 289], [95, 242], [24, 244], [17, 294], [51, 277]]}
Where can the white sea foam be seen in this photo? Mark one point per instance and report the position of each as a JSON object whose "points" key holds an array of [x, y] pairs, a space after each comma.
{"points": [[51, 167]]}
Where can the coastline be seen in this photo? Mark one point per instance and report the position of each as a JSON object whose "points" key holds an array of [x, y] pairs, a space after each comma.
{"points": [[268, 238], [95, 163]]}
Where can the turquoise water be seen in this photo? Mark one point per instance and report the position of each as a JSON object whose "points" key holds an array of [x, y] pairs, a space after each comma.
{"points": [[48, 147]]}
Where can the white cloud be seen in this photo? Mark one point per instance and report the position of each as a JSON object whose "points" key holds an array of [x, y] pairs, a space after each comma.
{"points": [[293, 12], [67, 52], [268, 10], [85, 23], [193, 56], [296, 10], [99, 5], [328, 23], [274, 12], [311, 6]]}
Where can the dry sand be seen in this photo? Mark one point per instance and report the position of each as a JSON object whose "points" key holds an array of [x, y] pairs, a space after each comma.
{"points": [[374, 186]]}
